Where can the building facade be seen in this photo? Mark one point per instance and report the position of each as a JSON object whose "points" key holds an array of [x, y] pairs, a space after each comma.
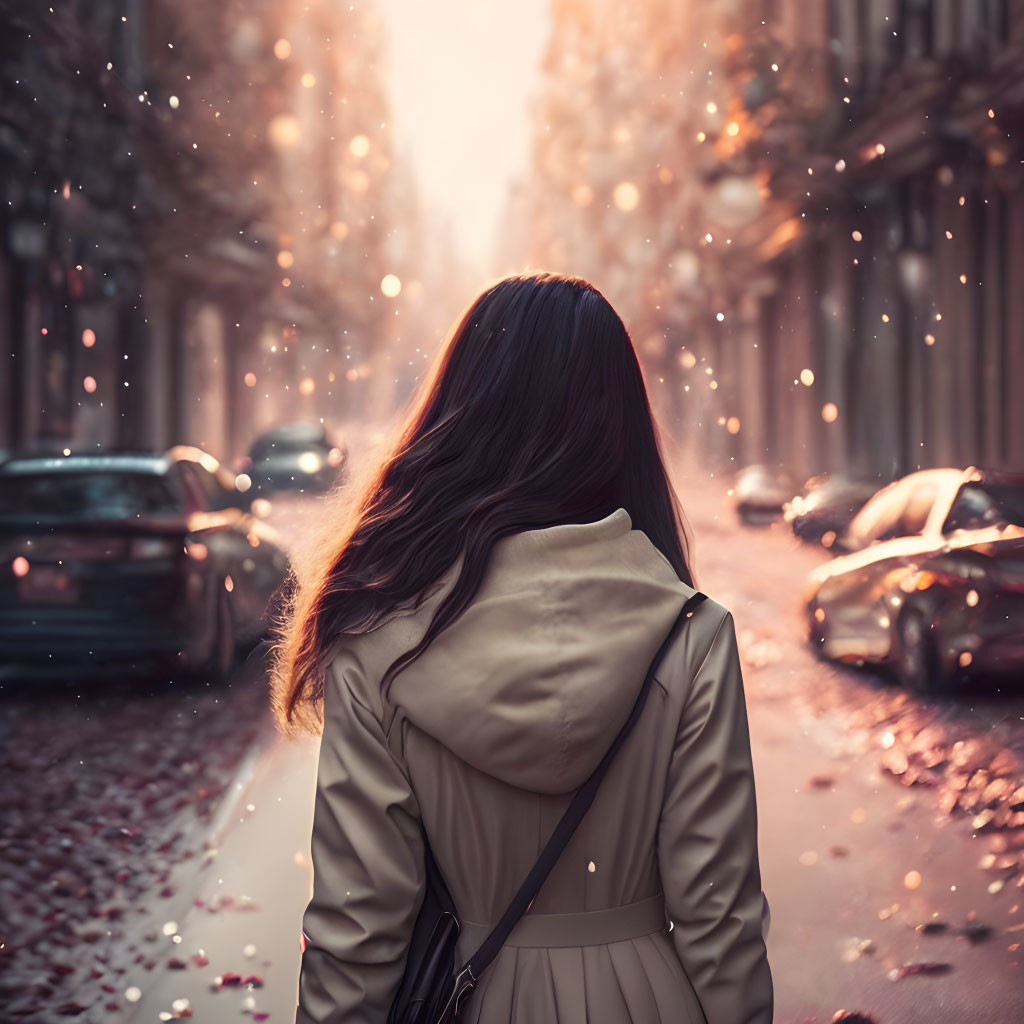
{"points": [[196, 217], [877, 327]]}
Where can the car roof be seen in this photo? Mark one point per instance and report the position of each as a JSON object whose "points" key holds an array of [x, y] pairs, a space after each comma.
{"points": [[1001, 477], [935, 473], [86, 463]]}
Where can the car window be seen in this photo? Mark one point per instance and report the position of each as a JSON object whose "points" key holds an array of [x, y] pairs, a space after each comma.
{"points": [[103, 494], [979, 505], [216, 496], [289, 440], [195, 494], [288, 446]]}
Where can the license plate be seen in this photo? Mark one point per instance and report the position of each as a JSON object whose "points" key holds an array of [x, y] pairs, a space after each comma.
{"points": [[47, 584]]}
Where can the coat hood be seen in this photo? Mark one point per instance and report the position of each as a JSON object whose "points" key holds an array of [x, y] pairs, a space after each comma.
{"points": [[534, 680]]}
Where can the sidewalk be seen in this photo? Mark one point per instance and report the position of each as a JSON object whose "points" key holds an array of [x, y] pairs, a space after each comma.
{"points": [[246, 916]]}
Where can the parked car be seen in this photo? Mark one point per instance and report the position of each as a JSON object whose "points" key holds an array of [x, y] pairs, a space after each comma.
{"points": [[916, 504], [121, 561], [825, 507], [935, 606], [760, 492], [295, 456]]}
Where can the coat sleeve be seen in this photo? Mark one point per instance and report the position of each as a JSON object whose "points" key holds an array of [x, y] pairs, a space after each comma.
{"points": [[368, 870], [707, 845]]}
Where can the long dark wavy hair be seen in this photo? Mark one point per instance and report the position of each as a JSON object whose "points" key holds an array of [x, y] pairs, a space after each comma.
{"points": [[534, 414]]}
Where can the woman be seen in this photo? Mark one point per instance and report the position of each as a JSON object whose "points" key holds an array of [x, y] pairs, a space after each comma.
{"points": [[472, 645]]}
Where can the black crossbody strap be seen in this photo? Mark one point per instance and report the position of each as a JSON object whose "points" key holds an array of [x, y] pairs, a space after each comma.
{"points": [[572, 817]]}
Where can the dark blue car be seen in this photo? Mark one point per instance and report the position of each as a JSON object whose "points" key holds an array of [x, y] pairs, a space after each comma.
{"points": [[114, 562]]}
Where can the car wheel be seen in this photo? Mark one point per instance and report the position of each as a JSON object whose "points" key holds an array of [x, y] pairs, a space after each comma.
{"points": [[917, 664]]}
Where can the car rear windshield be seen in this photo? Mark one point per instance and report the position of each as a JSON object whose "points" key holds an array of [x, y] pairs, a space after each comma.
{"points": [[978, 505], [287, 447], [1008, 500], [108, 495]]}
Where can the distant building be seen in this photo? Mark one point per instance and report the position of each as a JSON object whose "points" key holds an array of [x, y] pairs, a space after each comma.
{"points": [[809, 213], [194, 227], [876, 322]]}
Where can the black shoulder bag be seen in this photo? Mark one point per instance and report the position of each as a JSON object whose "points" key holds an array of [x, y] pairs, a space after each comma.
{"points": [[432, 991]]}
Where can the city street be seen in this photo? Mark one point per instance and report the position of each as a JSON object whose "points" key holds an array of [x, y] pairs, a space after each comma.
{"points": [[885, 896], [249, 252]]}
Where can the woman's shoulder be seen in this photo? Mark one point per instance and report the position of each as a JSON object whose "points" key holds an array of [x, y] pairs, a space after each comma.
{"points": [[359, 660], [692, 645]]}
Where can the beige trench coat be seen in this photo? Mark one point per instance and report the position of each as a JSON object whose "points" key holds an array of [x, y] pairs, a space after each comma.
{"points": [[655, 910]]}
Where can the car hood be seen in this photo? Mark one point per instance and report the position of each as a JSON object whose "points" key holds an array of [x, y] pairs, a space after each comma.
{"points": [[917, 545]]}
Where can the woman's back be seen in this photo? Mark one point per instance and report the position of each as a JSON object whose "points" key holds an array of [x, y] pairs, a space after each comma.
{"points": [[481, 742]]}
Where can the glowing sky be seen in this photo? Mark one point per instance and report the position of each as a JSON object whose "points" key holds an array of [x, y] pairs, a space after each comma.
{"points": [[460, 73]]}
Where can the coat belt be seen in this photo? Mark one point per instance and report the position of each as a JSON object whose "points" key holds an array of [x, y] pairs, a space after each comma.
{"points": [[590, 928]]}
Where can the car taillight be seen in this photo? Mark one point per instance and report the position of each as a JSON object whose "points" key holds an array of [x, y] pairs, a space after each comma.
{"points": [[922, 579], [197, 550]]}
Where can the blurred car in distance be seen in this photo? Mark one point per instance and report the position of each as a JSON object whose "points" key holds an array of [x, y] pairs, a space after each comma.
{"points": [[938, 605], [760, 492], [825, 507], [295, 456], [121, 561]]}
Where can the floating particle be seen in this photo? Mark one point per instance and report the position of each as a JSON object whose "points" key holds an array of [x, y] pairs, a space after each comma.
{"points": [[626, 196]]}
